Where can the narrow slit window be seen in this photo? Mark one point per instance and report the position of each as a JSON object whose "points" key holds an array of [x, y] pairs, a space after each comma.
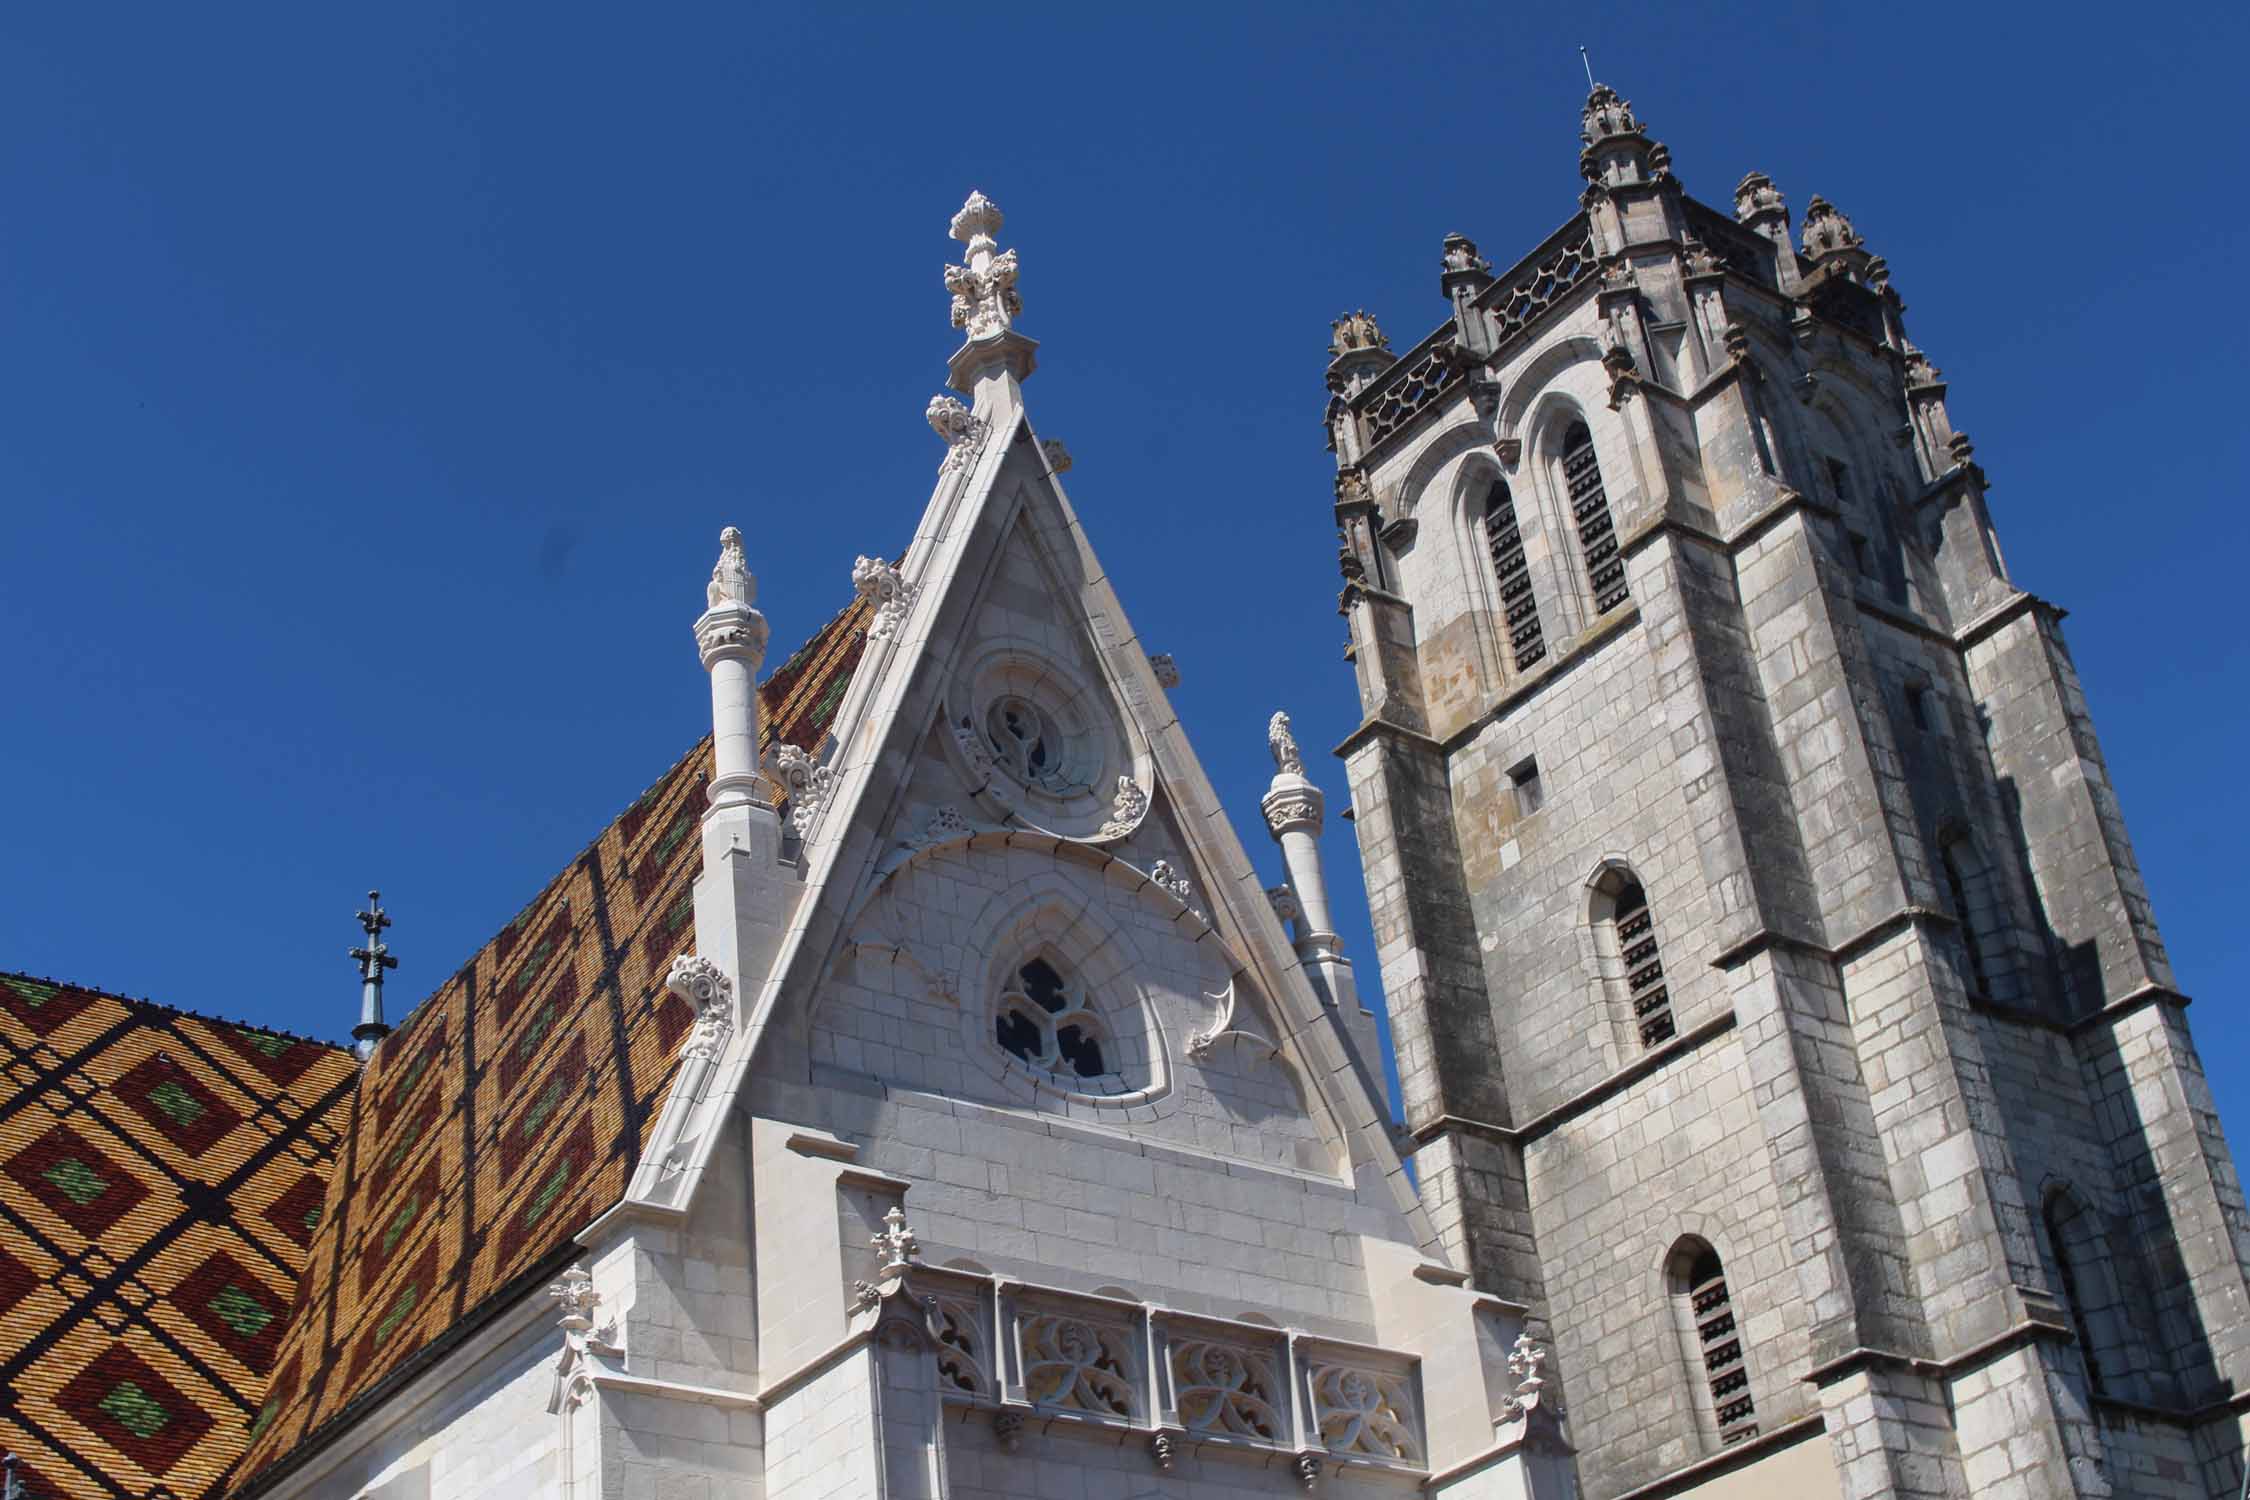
{"points": [[1720, 1341], [1644, 966], [1524, 782], [1589, 511], [1519, 607]]}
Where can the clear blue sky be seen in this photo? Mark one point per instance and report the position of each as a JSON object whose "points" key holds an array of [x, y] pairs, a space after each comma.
{"points": [[373, 384]]}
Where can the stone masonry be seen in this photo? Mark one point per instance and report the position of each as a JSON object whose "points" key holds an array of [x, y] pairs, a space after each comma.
{"points": [[1778, 1004]]}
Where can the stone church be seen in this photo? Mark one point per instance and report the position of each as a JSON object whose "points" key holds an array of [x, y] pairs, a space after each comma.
{"points": [[921, 1091]]}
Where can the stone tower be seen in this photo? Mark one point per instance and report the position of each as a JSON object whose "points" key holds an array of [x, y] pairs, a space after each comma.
{"points": [[1778, 1002]]}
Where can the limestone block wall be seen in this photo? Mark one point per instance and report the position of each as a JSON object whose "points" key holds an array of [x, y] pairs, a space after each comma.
{"points": [[476, 1425]]}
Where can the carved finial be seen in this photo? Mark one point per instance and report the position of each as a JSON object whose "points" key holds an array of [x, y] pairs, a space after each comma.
{"points": [[1354, 331], [1827, 231], [731, 582], [1755, 198], [985, 302], [576, 1295], [1524, 1361], [896, 1243], [373, 960], [1919, 370], [1460, 254], [1286, 756], [1606, 115]]}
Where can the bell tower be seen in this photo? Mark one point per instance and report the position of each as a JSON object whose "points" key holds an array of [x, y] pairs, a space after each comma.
{"points": [[1778, 1003]]}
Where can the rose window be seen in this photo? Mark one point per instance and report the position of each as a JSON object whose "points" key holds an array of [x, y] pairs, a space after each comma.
{"points": [[1046, 1022], [1027, 746]]}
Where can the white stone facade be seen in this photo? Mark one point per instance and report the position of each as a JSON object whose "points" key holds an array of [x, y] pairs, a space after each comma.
{"points": [[1017, 1149]]}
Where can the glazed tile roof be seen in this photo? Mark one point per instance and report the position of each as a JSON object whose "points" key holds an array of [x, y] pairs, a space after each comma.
{"points": [[161, 1178], [511, 1107]]}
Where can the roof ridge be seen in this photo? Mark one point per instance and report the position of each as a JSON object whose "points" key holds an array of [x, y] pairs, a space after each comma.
{"points": [[142, 1002]]}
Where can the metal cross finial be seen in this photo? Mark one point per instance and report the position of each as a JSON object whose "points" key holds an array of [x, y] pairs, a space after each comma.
{"points": [[373, 960], [375, 957], [1589, 62]]}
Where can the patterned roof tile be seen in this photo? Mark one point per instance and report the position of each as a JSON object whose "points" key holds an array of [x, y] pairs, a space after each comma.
{"points": [[511, 1107]]}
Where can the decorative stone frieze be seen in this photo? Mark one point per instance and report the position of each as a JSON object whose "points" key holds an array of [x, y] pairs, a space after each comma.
{"points": [[1231, 1388], [893, 595], [1365, 1409], [1080, 1363], [704, 985], [805, 783]]}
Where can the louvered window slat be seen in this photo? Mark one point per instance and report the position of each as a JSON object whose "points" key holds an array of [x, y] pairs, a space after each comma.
{"points": [[1527, 641], [1644, 968], [1723, 1365], [1597, 532]]}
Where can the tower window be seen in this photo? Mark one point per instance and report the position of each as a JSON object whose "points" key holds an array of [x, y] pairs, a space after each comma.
{"points": [[1840, 480], [1504, 540], [1714, 1343], [1589, 510], [1862, 557], [2068, 1234], [1644, 967], [1625, 930], [1918, 707], [1975, 898], [1524, 782]]}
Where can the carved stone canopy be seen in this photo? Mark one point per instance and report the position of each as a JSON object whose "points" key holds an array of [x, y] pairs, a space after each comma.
{"points": [[1827, 231], [1606, 116], [1755, 197], [1355, 331]]}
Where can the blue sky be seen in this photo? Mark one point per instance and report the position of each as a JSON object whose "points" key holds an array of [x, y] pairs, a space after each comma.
{"points": [[373, 385]]}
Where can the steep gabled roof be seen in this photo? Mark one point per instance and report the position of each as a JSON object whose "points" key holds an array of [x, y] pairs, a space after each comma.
{"points": [[161, 1178], [510, 1108]]}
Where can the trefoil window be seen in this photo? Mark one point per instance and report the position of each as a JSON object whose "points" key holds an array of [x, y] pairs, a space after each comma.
{"points": [[1046, 1022]]}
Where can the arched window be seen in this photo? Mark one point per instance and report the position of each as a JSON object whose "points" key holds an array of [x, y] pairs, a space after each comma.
{"points": [[1712, 1341], [1504, 540], [1625, 933], [1589, 511], [1975, 898], [1045, 1020], [2066, 1231]]}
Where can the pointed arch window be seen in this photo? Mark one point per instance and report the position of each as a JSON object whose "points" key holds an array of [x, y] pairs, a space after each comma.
{"points": [[1625, 937], [1503, 539], [2070, 1234], [1714, 1344], [1974, 895], [1589, 511]]}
